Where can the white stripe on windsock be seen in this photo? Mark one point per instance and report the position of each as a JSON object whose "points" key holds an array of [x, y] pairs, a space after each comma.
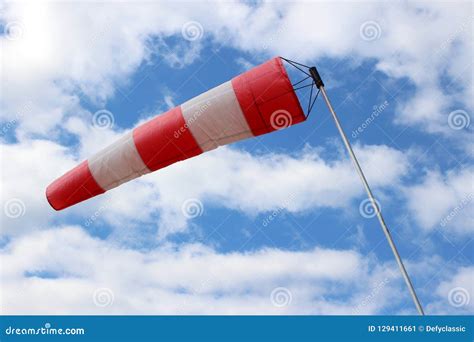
{"points": [[215, 118], [117, 164]]}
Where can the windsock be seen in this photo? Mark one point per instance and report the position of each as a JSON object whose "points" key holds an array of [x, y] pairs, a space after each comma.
{"points": [[256, 102]]}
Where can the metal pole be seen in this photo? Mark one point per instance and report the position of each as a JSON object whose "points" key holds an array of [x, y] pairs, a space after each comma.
{"points": [[319, 83]]}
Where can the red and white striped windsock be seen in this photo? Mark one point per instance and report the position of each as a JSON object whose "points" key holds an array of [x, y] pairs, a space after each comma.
{"points": [[256, 102]]}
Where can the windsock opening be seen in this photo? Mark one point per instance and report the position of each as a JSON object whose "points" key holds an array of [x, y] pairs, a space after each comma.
{"points": [[73, 187]]}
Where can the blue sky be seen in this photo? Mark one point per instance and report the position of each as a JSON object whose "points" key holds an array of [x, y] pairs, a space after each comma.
{"points": [[278, 214]]}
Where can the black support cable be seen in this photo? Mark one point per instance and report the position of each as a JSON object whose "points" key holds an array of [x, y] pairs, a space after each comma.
{"points": [[311, 108], [305, 86], [310, 97], [297, 67], [304, 79], [290, 61]]}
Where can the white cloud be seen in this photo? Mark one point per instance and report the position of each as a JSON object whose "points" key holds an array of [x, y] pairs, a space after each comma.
{"points": [[27, 168], [69, 50], [225, 177], [253, 184], [376, 31], [58, 271], [443, 201]]}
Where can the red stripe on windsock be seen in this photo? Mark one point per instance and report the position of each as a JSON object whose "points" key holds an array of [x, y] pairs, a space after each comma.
{"points": [[264, 91], [164, 140], [73, 187]]}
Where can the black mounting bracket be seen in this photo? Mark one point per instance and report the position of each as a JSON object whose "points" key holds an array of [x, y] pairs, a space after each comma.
{"points": [[316, 77]]}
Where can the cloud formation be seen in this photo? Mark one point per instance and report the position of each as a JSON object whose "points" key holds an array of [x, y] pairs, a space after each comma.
{"points": [[226, 178], [56, 56], [66, 271], [444, 202]]}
